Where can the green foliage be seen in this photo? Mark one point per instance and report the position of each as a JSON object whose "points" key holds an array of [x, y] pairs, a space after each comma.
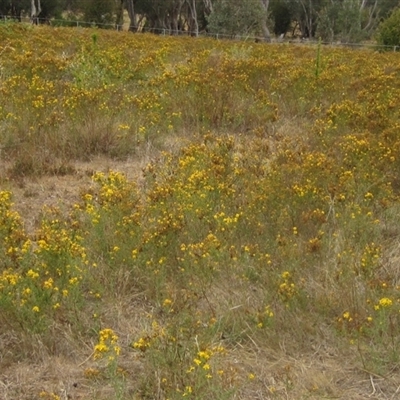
{"points": [[4, 7], [305, 14], [389, 30], [100, 12], [328, 22], [69, 19], [342, 21], [14, 7], [350, 21], [282, 16], [50, 8], [236, 17], [386, 7]]}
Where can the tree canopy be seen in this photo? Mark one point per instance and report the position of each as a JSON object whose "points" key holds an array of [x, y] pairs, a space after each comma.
{"points": [[331, 20], [389, 30]]}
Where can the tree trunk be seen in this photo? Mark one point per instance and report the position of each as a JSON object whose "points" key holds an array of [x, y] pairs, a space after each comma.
{"points": [[132, 16], [308, 22], [208, 7], [264, 27], [371, 19], [174, 16], [35, 11], [194, 25]]}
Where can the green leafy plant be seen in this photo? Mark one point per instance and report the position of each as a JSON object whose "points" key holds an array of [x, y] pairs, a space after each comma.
{"points": [[389, 31]]}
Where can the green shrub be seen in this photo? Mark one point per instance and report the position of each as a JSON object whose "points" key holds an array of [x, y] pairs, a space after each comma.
{"points": [[389, 30]]}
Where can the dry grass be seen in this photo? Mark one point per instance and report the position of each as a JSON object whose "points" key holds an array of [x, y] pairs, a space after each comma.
{"points": [[293, 366], [240, 241]]}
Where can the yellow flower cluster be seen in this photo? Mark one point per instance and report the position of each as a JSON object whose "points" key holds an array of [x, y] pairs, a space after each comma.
{"points": [[203, 362], [39, 273], [107, 345], [287, 289]]}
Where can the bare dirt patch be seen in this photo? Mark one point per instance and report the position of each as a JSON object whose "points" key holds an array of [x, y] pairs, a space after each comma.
{"points": [[32, 194]]}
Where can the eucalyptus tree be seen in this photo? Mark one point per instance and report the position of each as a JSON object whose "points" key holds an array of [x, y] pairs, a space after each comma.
{"points": [[100, 12], [36, 9], [389, 30], [193, 24], [349, 20], [346, 20], [264, 17], [15, 8], [130, 7], [281, 15], [160, 15], [237, 17], [4, 7], [49, 9], [208, 6], [305, 15]]}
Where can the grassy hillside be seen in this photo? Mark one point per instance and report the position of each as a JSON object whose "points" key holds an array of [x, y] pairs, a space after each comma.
{"points": [[255, 257]]}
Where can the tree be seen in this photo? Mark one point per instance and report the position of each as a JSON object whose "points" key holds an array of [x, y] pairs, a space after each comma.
{"points": [[201, 11], [49, 9], [328, 22], [282, 16], [237, 17], [17, 7], [160, 15], [348, 20], [264, 17], [100, 12], [130, 6], [386, 7], [4, 7], [193, 22], [70, 5], [305, 13], [170, 16], [389, 30], [36, 9]]}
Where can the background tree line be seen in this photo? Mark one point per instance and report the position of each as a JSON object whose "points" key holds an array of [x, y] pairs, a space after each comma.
{"points": [[331, 20]]}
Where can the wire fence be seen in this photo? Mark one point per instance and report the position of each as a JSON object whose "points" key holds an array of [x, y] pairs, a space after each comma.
{"points": [[171, 32]]}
